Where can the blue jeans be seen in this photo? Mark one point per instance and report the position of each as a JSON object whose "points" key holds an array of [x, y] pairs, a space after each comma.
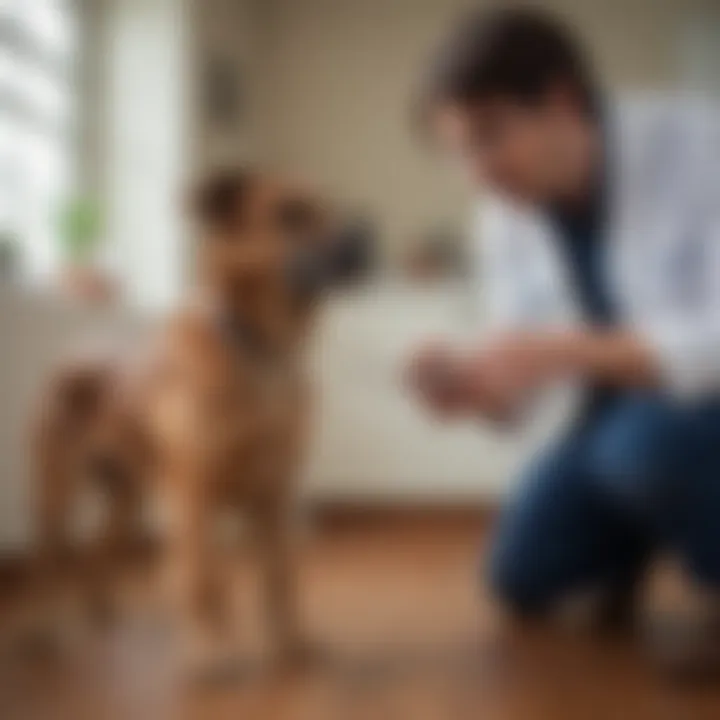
{"points": [[636, 476]]}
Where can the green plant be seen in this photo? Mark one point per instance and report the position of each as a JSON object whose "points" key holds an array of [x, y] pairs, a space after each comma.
{"points": [[79, 229]]}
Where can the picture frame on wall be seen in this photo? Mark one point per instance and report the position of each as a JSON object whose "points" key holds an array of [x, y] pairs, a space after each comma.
{"points": [[222, 93]]}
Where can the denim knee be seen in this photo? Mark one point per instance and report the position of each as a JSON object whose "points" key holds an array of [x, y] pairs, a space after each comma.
{"points": [[636, 455], [513, 583]]}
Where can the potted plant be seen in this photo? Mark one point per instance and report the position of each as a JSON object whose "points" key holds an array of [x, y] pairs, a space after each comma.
{"points": [[79, 229]]}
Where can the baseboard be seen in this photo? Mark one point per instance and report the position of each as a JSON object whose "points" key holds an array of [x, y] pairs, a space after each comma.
{"points": [[14, 569], [337, 514], [325, 515]]}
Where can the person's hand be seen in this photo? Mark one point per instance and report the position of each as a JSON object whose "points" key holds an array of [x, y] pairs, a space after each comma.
{"points": [[516, 365], [494, 381], [433, 374], [454, 385]]}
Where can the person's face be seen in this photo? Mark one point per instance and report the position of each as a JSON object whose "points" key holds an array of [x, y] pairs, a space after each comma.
{"points": [[513, 148]]}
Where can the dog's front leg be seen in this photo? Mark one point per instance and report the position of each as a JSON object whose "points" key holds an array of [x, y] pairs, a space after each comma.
{"points": [[53, 494], [275, 538], [198, 589]]}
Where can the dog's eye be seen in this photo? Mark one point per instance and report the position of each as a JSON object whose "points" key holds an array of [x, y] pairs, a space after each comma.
{"points": [[295, 216]]}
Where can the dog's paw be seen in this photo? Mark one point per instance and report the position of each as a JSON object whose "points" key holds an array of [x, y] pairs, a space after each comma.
{"points": [[210, 662], [35, 644], [44, 638], [103, 611], [300, 654]]}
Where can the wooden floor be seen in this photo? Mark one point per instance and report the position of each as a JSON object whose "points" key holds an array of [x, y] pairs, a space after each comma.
{"points": [[407, 635]]}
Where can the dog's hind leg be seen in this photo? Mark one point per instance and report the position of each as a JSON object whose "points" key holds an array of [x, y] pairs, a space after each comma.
{"points": [[58, 432], [109, 551], [53, 491]]}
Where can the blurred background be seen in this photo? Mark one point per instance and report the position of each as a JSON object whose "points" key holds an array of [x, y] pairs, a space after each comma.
{"points": [[109, 107]]}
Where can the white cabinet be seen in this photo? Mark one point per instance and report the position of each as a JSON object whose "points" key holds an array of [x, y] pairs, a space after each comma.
{"points": [[372, 441]]}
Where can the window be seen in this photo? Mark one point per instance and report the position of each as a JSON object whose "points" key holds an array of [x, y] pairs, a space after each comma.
{"points": [[37, 54]]}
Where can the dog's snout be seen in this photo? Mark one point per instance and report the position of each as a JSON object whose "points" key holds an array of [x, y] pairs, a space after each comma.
{"points": [[345, 256], [351, 252]]}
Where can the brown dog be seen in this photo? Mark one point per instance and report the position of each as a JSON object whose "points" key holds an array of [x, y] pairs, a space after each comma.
{"points": [[214, 415]]}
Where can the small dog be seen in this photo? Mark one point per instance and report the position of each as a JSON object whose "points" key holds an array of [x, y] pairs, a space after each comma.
{"points": [[213, 414]]}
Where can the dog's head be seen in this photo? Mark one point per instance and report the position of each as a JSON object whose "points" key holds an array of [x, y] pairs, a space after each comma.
{"points": [[269, 251]]}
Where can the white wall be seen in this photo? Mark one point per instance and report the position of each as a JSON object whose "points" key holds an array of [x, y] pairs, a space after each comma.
{"points": [[147, 144], [700, 52], [224, 30], [147, 134], [336, 100], [92, 82], [338, 77]]}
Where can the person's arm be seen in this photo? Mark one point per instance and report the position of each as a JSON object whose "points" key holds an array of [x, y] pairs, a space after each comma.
{"points": [[684, 335], [613, 357], [502, 374]]}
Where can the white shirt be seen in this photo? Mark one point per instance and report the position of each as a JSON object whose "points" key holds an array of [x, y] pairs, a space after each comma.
{"points": [[663, 235]]}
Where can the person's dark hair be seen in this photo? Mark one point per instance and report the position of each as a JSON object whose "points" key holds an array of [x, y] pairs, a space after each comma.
{"points": [[217, 200], [514, 53]]}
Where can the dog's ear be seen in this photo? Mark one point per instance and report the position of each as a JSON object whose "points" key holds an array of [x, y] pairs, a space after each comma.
{"points": [[218, 201]]}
